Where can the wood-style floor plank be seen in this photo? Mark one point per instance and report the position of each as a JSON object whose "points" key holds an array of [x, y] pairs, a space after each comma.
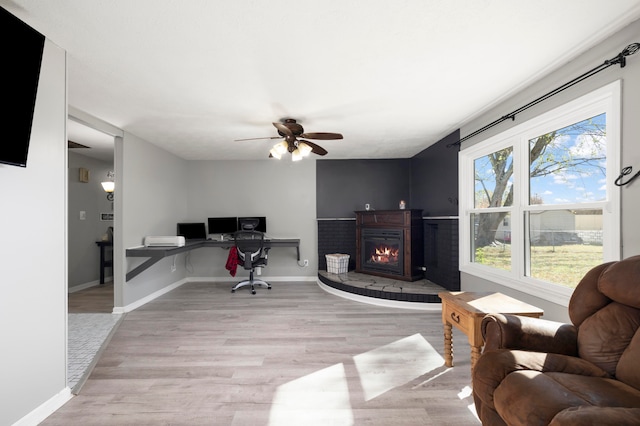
{"points": [[293, 355], [93, 300]]}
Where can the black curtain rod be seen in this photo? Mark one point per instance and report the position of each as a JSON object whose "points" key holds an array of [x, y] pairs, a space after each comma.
{"points": [[618, 59]]}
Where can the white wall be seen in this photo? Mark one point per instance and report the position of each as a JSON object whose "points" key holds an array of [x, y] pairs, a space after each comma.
{"points": [[150, 198], [33, 226], [282, 191], [630, 76]]}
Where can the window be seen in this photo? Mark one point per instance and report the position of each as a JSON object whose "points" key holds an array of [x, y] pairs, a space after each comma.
{"points": [[537, 202]]}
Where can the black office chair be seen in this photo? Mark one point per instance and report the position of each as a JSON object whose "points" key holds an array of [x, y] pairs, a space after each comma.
{"points": [[252, 254]]}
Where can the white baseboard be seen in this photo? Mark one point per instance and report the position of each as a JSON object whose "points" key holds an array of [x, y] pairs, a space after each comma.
{"points": [[90, 284], [381, 302], [83, 286], [149, 298], [46, 409]]}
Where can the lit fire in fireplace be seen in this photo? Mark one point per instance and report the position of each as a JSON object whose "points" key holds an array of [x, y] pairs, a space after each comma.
{"points": [[384, 254]]}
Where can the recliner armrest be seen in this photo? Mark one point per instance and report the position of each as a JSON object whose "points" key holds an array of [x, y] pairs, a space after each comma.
{"points": [[502, 331], [614, 416]]}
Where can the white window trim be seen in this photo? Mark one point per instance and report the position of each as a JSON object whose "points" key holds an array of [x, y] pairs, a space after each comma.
{"points": [[606, 99]]}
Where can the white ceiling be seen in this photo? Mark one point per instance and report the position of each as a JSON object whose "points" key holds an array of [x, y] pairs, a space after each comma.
{"points": [[392, 76]]}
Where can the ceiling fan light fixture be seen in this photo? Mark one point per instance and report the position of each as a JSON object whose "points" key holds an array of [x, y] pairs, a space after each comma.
{"points": [[281, 147], [296, 155], [304, 149], [290, 130], [275, 153]]}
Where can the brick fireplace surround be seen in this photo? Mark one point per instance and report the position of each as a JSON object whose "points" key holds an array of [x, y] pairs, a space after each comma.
{"points": [[440, 248]]}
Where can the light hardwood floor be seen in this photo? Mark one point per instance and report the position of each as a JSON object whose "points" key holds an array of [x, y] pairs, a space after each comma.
{"points": [[293, 355], [94, 300]]}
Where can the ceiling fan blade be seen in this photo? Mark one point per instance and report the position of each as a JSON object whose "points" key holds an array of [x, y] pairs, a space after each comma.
{"points": [[321, 136], [284, 129], [255, 139], [316, 149]]}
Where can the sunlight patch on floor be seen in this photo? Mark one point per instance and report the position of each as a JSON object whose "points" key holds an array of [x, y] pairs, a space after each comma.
{"points": [[465, 392], [323, 397], [395, 364], [320, 398]]}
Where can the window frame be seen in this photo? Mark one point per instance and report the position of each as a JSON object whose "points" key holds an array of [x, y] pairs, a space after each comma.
{"points": [[607, 100]]}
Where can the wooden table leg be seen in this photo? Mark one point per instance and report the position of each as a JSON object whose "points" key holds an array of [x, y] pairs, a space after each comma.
{"points": [[448, 345]]}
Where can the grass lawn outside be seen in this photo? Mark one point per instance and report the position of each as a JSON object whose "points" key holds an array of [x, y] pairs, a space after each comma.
{"points": [[564, 265]]}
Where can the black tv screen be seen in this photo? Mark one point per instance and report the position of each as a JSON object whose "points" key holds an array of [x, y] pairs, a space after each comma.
{"points": [[192, 231], [22, 49], [223, 225], [262, 222]]}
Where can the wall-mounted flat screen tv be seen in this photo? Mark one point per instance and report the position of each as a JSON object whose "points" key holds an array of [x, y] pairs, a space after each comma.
{"points": [[21, 48]]}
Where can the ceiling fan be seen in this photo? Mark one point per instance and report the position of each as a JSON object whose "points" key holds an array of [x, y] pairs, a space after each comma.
{"points": [[299, 148]]}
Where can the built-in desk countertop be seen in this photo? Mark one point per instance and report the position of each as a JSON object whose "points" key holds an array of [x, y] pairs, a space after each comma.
{"points": [[155, 254]]}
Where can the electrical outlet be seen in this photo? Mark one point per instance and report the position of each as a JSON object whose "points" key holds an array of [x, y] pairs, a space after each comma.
{"points": [[305, 262]]}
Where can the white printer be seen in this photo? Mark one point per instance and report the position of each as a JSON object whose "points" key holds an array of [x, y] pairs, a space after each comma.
{"points": [[164, 241]]}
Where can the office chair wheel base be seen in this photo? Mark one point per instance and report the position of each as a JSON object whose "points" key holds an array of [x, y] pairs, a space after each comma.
{"points": [[233, 290], [253, 292]]}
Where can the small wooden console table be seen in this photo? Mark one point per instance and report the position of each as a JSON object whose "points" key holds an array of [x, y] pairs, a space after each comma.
{"points": [[465, 311]]}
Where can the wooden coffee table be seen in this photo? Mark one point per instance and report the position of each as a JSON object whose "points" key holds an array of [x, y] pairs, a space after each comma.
{"points": [[465, 311]]}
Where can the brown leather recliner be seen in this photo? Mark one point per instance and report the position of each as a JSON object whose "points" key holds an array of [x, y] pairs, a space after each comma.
{"points": [[538, 372]]}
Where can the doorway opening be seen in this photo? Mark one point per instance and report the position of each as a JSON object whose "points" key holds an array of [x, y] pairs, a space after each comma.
{"points": [[90, 260]]}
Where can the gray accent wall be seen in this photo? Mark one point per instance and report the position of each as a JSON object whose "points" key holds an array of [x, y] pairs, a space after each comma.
{"points": [[630, 194], [344, 186], [427, 181], [33, 222], [434, 178]]}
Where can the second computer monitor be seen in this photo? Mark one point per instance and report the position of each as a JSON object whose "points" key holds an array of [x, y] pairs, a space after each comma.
{"points": [[259, 221], [223, 225]]}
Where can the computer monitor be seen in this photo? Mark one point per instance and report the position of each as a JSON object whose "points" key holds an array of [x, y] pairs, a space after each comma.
{"points": [[192, 231], [222, 225], [260, 226]]}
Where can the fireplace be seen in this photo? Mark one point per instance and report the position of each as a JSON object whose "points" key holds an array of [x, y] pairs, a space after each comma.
{"points": [[389, 244], [382, 251]]}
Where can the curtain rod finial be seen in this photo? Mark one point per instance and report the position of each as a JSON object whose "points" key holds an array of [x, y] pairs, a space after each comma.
{"points": [[621, 57]]}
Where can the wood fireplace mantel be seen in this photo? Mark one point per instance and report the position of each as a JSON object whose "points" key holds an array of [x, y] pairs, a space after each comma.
{"points": [[409, 221]]}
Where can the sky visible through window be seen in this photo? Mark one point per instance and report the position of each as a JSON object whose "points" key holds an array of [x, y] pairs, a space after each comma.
{"points": [[572, 166]]}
